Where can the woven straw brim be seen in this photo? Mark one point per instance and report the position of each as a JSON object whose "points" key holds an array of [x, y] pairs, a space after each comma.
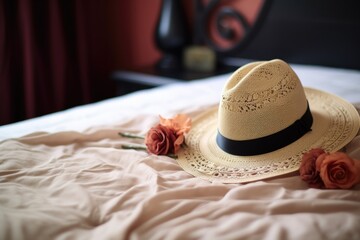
{"points": [[336, 123]]}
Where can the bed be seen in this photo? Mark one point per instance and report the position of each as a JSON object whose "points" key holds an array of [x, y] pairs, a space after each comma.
{"points": [[66, 176]]}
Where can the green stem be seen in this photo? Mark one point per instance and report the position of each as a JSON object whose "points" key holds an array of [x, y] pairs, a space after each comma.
{"points": [[142, 147], [131, 135], [135, 147]]}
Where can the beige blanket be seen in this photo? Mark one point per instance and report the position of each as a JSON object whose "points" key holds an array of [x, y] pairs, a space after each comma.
{"points": [[72, 185]]}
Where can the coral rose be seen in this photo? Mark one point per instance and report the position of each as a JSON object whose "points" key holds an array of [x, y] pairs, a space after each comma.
{"points": [[161, 140], [181, 123], [338, 170], [308, 171]]}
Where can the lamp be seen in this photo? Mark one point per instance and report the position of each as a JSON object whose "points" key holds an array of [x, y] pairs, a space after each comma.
{"points": [[171, 34]]}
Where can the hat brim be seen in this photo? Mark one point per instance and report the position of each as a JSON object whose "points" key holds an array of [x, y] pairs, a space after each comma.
{"points": [[336, 123]]}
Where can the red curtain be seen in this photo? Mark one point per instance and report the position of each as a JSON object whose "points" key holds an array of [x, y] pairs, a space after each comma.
{"points": [[53, 55]]}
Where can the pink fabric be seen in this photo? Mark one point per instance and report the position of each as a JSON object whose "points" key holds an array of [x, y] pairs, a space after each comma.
{"points": [[82, 185]]}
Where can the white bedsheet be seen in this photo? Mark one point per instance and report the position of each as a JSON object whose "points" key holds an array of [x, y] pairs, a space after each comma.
{"points": [[195, 95], [72, 180]]}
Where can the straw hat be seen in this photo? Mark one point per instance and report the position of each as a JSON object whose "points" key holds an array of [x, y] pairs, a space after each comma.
{"points": [[265, 121]]}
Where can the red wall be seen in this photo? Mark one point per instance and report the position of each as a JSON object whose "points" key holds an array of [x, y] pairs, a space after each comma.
{"points": [[132, 24], [110, 35]]}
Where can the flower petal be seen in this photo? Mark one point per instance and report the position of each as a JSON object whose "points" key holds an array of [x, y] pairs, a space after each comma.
{"points": [[181, 123]]}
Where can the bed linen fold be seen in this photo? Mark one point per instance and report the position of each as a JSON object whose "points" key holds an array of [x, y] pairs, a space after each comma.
{"points": [[71, 182], [82, 185]]}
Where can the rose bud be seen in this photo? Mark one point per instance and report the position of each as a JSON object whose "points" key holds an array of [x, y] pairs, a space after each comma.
{"points": [[308, 171]]}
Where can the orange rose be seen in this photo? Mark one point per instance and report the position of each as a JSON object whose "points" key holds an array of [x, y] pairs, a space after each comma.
{"points": [[181, 123], [308, 171], [177, 144], [160, 140], [338, 170], [164, 139]]}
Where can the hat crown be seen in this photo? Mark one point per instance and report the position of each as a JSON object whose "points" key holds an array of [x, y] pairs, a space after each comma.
{"points": [[260, 99]]}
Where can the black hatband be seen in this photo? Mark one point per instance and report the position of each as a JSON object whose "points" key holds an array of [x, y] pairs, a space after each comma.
{"points": [[268, 143]]}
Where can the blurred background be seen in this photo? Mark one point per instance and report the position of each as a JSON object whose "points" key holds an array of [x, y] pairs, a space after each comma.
{"points": [[56, 54]]}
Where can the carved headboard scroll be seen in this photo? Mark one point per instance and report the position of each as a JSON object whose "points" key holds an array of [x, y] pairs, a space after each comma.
{"points": [[320, 32]]}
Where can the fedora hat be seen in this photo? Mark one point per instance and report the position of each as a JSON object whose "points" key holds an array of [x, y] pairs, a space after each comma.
{"points": [[263, 124]]}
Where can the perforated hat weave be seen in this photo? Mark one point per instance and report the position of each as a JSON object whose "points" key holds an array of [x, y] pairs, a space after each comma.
{"points": [[264, 123]]}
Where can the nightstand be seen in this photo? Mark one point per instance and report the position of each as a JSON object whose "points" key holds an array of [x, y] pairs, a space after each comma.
{"points": [[148, 77]]}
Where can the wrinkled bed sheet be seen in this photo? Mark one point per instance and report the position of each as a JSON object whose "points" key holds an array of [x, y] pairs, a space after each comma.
{"points": [[67, 184]]}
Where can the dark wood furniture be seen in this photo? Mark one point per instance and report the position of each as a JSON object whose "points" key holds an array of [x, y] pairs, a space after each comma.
{"points": [[150, 76], [314, 32]]}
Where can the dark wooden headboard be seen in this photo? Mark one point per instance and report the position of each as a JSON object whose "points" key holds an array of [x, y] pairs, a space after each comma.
{"points": [[319, 32]]}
